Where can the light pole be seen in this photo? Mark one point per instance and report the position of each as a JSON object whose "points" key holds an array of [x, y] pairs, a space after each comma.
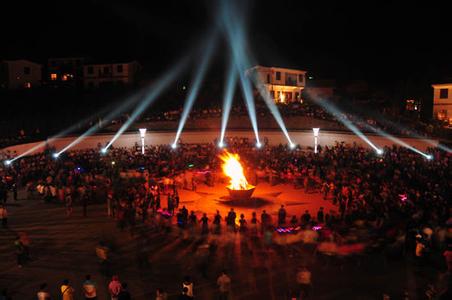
{"points": [[142, 135], [316, 136]]}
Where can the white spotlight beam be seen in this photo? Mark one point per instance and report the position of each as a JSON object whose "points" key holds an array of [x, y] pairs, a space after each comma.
{"points": [[227, 100], [196, 84]]}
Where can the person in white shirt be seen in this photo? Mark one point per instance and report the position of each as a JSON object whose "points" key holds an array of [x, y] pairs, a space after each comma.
{"points": [[43, 294], [189, 285]]}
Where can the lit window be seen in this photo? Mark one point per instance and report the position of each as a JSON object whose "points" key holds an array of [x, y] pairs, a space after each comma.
{"points": [[64, 78], [444, 93], [28, 85], [53, 76]]}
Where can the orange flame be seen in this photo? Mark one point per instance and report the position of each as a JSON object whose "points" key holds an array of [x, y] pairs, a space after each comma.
{"points": [[234, 170]]}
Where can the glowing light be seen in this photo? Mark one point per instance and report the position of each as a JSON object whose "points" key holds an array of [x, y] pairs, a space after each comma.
{"points": [[220, 144], [55, 155], [292, 146], [196, 84], [113, 163], [142, 135], [103, 150], [234, 170], [429, 157], [227, 99], [258, 145], [8, 162], [316, 137], [379, 151], [174, 145]]}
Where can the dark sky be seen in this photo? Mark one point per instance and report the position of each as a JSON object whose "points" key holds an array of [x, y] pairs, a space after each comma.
{"points": [[380, 41]]}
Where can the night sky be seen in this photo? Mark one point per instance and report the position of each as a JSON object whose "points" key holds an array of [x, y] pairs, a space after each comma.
{"points": [[378, 41]]}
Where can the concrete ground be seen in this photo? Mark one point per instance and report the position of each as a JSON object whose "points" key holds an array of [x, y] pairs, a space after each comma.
{"points": [[64, 247]]}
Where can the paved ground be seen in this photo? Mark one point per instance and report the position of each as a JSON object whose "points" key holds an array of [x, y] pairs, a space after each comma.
{"points": [[63, 247]]}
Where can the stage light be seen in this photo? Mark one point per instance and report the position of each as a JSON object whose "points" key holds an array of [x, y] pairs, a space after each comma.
{"points": [[103, 150], [227, 99], [429, 157], [292, 146], [142, 135], [379, 151], [258, 145], [56, 155], [196, 84], [174, 145], [220, 144], [113, 163], [8, 162]]}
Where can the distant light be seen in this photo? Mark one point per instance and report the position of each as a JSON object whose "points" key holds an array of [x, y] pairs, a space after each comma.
{"points": [[220, 144], [379, 151], [316, 131], [292, 146], [142, 132], [429, 157], [258, 145], [8, 162], [113, 163], [310, 77], [103, 150], [174, 146], [184, 87], [55, 155]]}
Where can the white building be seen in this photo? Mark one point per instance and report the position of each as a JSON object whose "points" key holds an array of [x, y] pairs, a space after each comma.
{"points": [[119, 74], [20, 74], [442, 102], [283, 85]]}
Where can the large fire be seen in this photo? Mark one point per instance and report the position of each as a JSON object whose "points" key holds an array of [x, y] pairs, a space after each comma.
{"points": [[234, 170]]}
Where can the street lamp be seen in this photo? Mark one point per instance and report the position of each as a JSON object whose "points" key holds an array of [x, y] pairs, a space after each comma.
{"points": [[142, 135], [316, 136]]}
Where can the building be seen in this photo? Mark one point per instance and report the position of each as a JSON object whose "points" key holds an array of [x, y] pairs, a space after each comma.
{"points": [[111, 74], [283, 85], [65, 71], [20, 74], [442, 102]]}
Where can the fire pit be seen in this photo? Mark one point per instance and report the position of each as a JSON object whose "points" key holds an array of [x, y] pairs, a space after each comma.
{"points": [[238, 188], [241, 194]]}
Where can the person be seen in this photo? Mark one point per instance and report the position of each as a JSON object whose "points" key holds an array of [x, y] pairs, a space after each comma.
{"points": [[242, 223], [43, 294], [204, 221], [67, 292], [224, 285], [68, 202], [4, 215], [282, 216], [304, 281], [305, 218], [265, 220], [230, 220], [160, 294], [188, 284], [20, 251], [114, 287], [89, 288], [184, 295], [124, 294], [320, 215], [217, 223]]}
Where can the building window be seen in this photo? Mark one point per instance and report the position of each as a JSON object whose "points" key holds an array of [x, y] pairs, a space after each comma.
{"points": [[119, 68], [443, 93], [64, 78], [278, 75], [28, 85], [268, 78], [53, 76], [106, 70], [90, 70], [27, 70], [300, 78]]}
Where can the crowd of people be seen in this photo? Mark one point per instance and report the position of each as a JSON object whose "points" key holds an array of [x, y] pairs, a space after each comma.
{"points": [[397, 202]]}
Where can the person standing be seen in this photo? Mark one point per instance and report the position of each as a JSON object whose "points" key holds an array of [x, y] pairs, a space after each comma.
{"points": [[224, 285], [43, 293], [4, 215], [124, 294], [20, 251], [204, 224], [188, 284], [160, 294], [304, 282], [217, 223], [89, 288], [114, 287], [282, 216], [67, 292]]}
